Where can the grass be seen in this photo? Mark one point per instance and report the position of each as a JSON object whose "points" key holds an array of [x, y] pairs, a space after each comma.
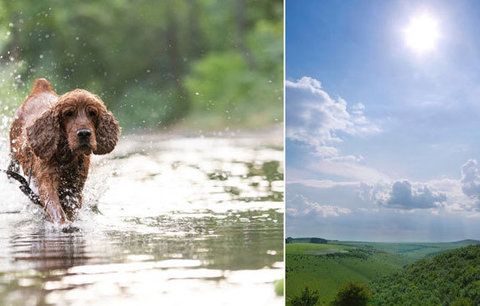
{"points": [[326, 268], [316, 248]]}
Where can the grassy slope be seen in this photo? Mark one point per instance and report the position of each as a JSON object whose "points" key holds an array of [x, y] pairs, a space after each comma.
{"points": [[327, 271], [316, 249], [326, 267]]}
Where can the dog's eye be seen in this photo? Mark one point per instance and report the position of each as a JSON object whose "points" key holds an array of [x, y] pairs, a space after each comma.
{"points": [[68, 113], [92, 113]]}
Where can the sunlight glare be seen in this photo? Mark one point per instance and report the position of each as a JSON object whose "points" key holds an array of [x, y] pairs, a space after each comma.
{"points": [[421, 34]]}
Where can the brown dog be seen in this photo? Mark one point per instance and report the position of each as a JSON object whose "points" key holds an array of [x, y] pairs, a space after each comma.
{"points": [[52, 138]]}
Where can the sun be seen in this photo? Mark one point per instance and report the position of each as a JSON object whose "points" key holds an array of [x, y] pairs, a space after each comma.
{"points": [[422, 33]]}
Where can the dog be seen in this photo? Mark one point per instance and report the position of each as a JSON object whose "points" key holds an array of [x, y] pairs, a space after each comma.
{"points": [[52, 138]]}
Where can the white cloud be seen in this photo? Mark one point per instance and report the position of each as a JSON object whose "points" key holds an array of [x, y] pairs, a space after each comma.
{"points": [[317, 120], [404, 196], [299, 205], [457, 201], [442, 194], [322, 184], [471, 181], [350, 170]]}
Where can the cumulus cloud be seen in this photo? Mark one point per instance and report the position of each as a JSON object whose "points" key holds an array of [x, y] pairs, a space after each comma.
{"points": [[299, 205], [471, 180], [317, 120], [403, 195]]}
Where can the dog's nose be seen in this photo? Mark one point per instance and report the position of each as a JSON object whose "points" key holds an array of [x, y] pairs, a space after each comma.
{"points": [[84, 133]]}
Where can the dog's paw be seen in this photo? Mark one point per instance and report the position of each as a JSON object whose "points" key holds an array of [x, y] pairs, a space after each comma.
{"points": [[70, 229]]}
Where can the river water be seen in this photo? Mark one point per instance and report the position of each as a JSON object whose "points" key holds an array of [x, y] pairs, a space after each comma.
{"points": [[168, 219]]}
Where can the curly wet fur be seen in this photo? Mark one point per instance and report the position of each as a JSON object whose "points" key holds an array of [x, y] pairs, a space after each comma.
{"points": [[44, 139], [44, 134]]}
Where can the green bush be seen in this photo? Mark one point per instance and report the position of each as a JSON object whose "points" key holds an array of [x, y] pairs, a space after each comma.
{"points": [[307, 298], [353, 294], [222, 86]]}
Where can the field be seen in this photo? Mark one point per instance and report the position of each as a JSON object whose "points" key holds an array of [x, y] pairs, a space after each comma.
{"points": [[326, 267], [413, 251]]}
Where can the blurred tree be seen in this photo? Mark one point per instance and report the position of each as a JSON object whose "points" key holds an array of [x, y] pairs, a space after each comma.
{"points": [[154, 51]]}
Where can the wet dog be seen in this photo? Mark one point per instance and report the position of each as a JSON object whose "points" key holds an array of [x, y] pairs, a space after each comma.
{"points": [[52, 138]]}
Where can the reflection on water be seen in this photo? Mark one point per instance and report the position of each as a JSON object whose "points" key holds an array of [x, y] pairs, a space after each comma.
{"points": [[173, 221]]}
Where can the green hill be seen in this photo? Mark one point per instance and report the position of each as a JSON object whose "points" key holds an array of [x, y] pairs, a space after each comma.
{"points": [[316, 249], [440, 280], [413, 250], [326, 267], [306, 240]]}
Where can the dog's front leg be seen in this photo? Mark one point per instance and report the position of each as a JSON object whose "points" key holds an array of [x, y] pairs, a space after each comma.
{"points": [[51, 201], [13, 165]]}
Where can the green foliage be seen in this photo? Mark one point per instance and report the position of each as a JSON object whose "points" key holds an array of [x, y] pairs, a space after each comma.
{"points": [[414, 251], [446, 279], [154, 54], [222, 85], [308, 240], [462, 302], [146, 106], [11, 94], [307, 298], [353, 294], [279, 284]]}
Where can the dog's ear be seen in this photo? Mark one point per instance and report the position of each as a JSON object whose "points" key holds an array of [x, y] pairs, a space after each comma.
{"points": [[44, 134], [106, 133]]}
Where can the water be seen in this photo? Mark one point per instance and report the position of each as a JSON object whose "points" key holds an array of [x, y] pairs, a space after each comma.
{"points": [[170, 220]]}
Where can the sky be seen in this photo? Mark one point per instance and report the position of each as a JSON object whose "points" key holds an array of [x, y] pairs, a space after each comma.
{"points": [[383, 120]]}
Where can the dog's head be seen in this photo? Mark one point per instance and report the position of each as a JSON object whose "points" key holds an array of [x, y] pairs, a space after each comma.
{"points": [[82, 118]]}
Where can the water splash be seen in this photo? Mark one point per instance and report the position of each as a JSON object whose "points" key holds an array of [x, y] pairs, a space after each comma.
{"points": [[163, 211]]}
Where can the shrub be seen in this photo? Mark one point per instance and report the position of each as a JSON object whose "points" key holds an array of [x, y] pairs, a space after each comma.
{"points": [[307, 298], [353, 294]]}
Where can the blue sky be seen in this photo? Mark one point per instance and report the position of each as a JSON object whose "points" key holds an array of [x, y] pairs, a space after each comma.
{"points": [[383, 137]]}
